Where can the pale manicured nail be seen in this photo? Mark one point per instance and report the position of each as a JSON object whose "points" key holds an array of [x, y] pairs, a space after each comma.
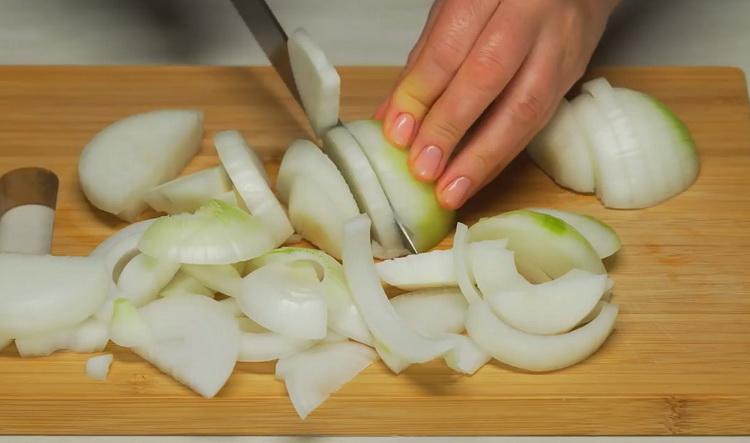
{"points": [[455, 193], [402, 129], [427, 162]]}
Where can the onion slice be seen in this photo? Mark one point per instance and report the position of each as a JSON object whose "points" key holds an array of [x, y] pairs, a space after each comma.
{"points": [[316, 217], [89, 336], [144, 277], [313, 375], [537, 352], [600, 235], [461, 267], [97, 368], [121, 246], [267, 346], [128, 328], [42, 293], [216, 234], [385, 325], [432, 311], [219, 278], [465, 356], [189, 192], [183, 283], [251, 181]]}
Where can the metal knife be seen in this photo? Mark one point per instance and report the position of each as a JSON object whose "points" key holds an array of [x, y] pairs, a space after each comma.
{"points": [[271, 37]]}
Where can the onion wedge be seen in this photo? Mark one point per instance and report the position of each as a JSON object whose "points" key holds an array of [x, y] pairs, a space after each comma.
{"points": [[392, 332], [216, 234], [600, 235], [190, 192], [251, 181], [144, 277], [183, 283], [537, 353], [267, 346], [90, 336], [313, 375], [219, 278], [432, 311], [461, 268], [465, 356]]}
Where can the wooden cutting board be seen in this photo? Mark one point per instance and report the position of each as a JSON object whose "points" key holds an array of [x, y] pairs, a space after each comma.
{"points": [[678, 362]]}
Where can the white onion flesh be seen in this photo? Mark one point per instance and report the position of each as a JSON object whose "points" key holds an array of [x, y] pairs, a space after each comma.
{"points": [[392, 332], [97, 368], [461, 268], [317, 81], [250, 180], [232, 306], [193, 339], [542, 240], [144, 277], [494, 269], [600, 235], [465, 356], [183, 283], [346, 153], [42, 293], [190, 192], [267, 346], [537, 353], [87, 337], [128, 328], [313, 375], [121, 246], [432, 311], [343, 316], [433, 269], [215, 234], [133, 155], [550, 308], [220, 278], [562, 150], [287, 299]]}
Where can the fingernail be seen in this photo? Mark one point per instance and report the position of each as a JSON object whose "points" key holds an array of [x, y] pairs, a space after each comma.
{"points": [[427, 162], [402, 129], [455, 193]]}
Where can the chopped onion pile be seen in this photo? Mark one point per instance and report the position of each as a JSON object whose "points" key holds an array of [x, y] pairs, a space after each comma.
{"points": [[622, 144]]}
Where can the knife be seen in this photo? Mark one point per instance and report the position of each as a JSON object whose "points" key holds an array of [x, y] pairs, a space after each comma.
{"points": [[271, 37]]}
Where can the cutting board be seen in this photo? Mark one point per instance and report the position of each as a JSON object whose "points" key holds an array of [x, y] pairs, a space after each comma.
{"points": [[677, 363]]}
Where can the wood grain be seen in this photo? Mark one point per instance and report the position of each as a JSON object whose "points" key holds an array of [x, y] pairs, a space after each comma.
{"points": [[678, 362]]}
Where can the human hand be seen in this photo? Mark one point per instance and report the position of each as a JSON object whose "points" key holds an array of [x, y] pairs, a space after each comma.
{"points": [[488, 74]]}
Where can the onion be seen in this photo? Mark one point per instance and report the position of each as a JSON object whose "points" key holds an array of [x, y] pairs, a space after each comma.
{"points": [[232, 306], [550, 308], [131, 156], [542, 240], [251, 181], [537, 352], [465, 356], [219, 278], [190, 192], [600, 235], [97, 368], [433, 269], [285, 298], [144, 277], [343, 315], [193, 339], [267, 346], [316, 216], [346, 153], [388, 329], [562, 150], [413, 201], [432, 311], [216, 234], [120, 247], [183, 283], [494, 270], [40, 294], [313, 375], [317, 81], [461, 265], [89, 336], [128, 328]]}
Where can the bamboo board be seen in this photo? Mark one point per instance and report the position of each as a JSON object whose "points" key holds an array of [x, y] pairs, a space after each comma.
{"points": [[678, 362]]}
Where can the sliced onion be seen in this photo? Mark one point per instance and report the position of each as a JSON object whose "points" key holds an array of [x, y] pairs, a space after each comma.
{"points": [[128, 158], [346, 153], [232, 306], [600, 235], [219, 278], [250, 179], [386, 326], [316, 217], [494, 269], [537, 352], [562, 150], [193, 339], [41, 293], [312, 376], [285, 298], [183, 283], [190, 192], [248, 325], [317, 81], [216, 234], [128, 328], [433, 269], [550, 308], [343, 315], [461, 267], [89, 336], [432, 311], [465, 356], [267, 346], [117, 249], [144, 277], [542, 240], [396, 363], [97, 368]]}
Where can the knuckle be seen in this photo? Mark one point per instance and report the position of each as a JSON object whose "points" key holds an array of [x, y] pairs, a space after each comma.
{"points": [[444, 130], [528, 110], [446, 53]]}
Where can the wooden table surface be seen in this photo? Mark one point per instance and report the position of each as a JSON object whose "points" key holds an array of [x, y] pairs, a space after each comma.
{"points": [[678, 362]]}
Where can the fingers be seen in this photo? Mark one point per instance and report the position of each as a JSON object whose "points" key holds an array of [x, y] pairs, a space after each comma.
{"points": [[491, 64], [503, 132], [457, 25]]}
